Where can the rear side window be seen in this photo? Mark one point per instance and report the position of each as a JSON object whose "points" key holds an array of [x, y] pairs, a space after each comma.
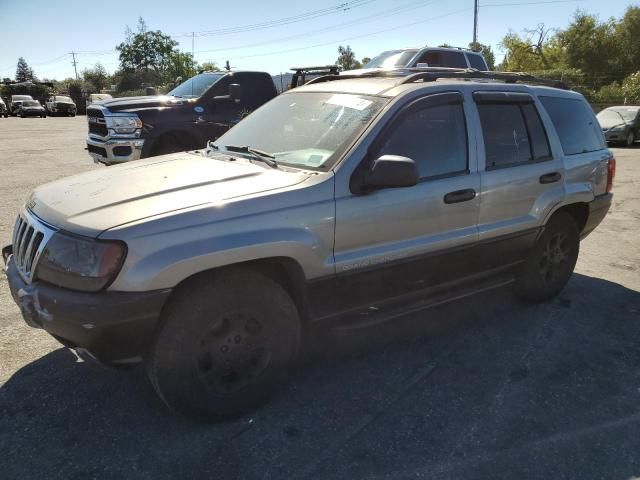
{"points": [[476, 61], [434, 136], [513, 134], [575, 124]]}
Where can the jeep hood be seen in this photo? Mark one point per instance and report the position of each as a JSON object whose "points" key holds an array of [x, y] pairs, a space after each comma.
{"points": [[92, 202], [136, 103]]}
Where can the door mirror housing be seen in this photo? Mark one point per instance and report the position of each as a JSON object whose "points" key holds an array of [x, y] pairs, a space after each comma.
{"points": [[388, 171]]}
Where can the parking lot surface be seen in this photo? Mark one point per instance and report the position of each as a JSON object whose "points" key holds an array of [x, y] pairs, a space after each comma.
{"points": [[484, 388]]}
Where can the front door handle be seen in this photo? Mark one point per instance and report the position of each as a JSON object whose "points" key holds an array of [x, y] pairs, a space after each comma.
{"points": [[550, 177], [460, 196]]}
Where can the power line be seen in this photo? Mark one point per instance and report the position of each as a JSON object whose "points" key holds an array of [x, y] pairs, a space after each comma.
{"points": [[388, 12], [354, 37], [529, 3], [343, 7]]}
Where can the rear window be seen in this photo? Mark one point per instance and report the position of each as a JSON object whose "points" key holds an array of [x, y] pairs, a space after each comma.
{"points": [[476, 61], [575, 124], [443, 58]]}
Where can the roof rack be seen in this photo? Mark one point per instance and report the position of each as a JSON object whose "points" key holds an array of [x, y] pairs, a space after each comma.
{"points": [[431, 74], [300, 73]]}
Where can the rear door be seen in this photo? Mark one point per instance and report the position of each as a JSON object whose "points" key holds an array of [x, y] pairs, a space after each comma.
{"points": [[522, 178]]}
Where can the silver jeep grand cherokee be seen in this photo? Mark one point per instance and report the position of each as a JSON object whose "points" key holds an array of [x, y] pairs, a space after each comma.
{"points": [[397, 193]]}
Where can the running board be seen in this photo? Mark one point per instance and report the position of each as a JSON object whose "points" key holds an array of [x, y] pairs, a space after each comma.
{"points": [[376, 314]]}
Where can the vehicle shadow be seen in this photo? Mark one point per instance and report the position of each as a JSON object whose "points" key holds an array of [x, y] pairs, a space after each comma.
{"points": [[485, 387]]}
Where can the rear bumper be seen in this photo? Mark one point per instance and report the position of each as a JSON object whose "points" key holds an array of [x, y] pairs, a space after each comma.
{"points": [[112, 151], [112, 326], [598, 209]]}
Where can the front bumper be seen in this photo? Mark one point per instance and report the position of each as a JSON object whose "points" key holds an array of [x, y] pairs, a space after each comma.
{"points": [[32, 113], [113, 326], [598, 209], [115, 150]]}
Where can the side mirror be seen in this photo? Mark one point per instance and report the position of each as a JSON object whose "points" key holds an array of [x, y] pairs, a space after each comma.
{"points": [[388, 171], [235, 92]]}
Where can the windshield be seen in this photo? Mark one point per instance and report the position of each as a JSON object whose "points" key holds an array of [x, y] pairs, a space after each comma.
{"points": [[392, 58], [64, 99], [196, 86], [19, 98], [30, 103], [628, 113], [610, 117], [310, 130]]}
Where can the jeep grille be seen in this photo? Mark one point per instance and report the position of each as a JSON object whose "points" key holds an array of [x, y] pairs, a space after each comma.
{"points": [[29, 239]]}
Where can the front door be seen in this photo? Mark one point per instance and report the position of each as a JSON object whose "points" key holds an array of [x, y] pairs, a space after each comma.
{"points": [[389, 241]]}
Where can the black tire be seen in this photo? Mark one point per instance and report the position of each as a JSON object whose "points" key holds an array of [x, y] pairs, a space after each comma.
{"points": [[551, 261], [171, 144], [226, 344], [630, 139], [22, 115]]}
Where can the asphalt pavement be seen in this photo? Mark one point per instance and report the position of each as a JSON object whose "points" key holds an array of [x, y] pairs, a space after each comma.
{"points": [[486, 388]]}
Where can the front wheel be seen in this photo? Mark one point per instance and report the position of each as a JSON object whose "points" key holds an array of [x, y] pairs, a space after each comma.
{"points": [[551, 260], [226, 344], [631, 138]]}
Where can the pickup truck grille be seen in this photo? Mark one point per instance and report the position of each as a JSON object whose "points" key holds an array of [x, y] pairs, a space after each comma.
{"points": [[97, 124], [29, 240]]}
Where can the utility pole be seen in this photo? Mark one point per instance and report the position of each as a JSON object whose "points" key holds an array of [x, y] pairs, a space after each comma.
{"points": [[73, 54], [193, 52], [475, 22]]}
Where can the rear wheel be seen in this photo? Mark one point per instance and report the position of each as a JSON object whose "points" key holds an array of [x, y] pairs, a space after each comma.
{"points": [[551, 261], [226, 344]]}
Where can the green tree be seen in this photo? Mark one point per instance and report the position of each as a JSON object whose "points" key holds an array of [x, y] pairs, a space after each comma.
{"points": [[591, 46], [147, 50], [486, 51], [97, 77], [347, 58], [627, 35], [210, 67], [631, 88], [24, 73], [537, 49], [365, 60], [180, 65]]}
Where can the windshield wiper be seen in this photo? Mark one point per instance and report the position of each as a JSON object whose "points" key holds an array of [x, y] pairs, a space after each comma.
{"points": [[266, 157]]}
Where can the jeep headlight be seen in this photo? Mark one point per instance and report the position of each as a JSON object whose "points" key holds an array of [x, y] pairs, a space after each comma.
{"points": [[80, 263], [124, 124]]}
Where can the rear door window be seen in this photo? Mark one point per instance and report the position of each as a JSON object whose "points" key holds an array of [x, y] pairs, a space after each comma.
{"points": [[513, 134], [443, 58], [575, 124]]}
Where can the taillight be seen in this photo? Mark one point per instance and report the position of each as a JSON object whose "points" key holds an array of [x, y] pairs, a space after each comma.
{"points": [[611, 173]]}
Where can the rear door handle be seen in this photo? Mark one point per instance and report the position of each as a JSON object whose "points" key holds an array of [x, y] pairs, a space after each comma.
{"points": [[550, 177], [460, 196]]}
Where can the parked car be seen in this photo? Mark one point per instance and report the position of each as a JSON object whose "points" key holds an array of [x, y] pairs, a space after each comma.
{"points": [[61, 105], [379, 195], [198, 110], [95, 98], [3, 109], [620, 124], [31, 108], [16, 101], [423, 57]]}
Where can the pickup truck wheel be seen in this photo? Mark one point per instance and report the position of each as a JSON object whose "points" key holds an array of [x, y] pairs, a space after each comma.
{"points": [[551, 261], [225, 346]]}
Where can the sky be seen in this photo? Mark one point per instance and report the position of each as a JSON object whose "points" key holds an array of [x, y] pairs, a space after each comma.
{"points": [[270, 36]]}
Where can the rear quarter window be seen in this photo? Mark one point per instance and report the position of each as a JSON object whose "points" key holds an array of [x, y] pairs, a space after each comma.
{"points": [[575, 123], [476, 61]]}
